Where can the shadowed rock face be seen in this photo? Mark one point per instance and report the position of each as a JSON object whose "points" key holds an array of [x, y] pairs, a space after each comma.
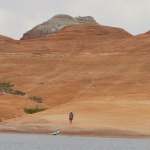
{"points": [[55, 24]]}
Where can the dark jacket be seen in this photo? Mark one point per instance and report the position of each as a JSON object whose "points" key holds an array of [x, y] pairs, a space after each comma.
{"points": [[71, 115]]}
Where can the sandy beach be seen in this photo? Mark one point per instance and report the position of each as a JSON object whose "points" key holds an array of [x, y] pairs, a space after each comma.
{"points": [[72, 131]]}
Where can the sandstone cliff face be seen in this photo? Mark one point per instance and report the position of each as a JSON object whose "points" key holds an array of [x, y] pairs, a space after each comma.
{"points": [[100, 73], [55, 24]]}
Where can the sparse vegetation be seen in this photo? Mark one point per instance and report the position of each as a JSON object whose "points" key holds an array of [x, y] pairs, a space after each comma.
{"points": [[35, 98], [33, 110], [8, 88], [5, 86], [15, 92]]}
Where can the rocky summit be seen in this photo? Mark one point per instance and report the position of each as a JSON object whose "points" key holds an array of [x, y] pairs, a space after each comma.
{"points": [[55, 24]]}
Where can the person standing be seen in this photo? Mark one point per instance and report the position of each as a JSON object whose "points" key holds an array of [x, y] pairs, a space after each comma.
{"points": [[71, 117]]}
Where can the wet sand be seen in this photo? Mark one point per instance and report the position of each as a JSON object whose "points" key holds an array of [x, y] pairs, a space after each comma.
{"points": [[72, 131]]}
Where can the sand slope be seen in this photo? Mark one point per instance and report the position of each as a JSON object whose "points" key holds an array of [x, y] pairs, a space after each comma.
{"points": [[100, 73]]}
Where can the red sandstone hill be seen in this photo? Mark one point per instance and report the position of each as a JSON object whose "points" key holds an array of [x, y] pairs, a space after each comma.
{"points": [[100, 73]]}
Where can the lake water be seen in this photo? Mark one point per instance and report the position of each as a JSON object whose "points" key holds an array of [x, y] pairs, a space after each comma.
{"points": [[49, 142]]}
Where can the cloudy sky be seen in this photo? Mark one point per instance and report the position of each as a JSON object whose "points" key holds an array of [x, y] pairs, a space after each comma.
{"points": [[19, 16]]}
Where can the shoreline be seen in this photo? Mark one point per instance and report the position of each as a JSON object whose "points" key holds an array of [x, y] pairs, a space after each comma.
{"points": [[100, 133]]}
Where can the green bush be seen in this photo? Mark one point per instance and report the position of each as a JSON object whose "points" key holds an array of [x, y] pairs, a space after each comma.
{"points": [[33, 110], [5, 86], [8, 88], [14, 92], [35, 98]]}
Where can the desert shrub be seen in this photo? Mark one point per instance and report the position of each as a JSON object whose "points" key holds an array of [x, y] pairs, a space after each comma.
{"points": [[5, 86], [33, 110], [15, 92], [35, 98], [8, 88]]}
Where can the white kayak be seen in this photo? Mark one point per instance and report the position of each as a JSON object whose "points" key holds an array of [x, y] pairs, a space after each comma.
{"points": [[55, 132]]}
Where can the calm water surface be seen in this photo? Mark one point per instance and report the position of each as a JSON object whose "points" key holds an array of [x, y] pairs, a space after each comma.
{"points": [[48, 142]]}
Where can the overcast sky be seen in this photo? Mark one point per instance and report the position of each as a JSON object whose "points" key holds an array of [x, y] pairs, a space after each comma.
{"points": [[19, 16]]}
